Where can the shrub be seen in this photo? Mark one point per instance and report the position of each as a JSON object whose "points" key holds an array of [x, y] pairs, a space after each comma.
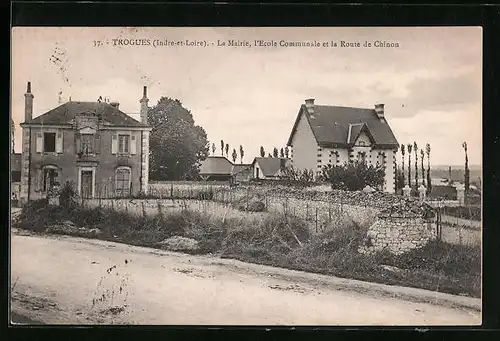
{"points": [[354, 176], [68, 195]]}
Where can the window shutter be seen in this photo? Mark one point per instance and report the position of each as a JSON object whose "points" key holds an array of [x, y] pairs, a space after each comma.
{"points": [[78, 143], [38, 180], [39, 142], [97, 143], [114, 143], [59, 142], [133, 144], [57, 177]]}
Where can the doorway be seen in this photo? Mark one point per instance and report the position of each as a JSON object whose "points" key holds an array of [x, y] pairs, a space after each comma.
{"points": [[86, 187]]}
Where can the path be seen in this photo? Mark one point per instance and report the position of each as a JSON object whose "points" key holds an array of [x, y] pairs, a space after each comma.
{"points": [[61, 279]]}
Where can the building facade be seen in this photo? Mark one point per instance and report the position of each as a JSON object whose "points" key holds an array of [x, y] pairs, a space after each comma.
{"points": [[331, 135], [102, 151]]}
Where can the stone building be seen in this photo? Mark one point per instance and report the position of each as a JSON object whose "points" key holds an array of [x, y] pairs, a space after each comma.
{"points": [[100, 149], [331, 135]]}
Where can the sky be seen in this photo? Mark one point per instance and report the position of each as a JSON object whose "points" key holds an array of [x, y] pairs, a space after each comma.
{"points": [[431, 83]]}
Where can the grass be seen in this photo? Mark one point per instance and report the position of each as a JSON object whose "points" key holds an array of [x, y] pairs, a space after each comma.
{"points": [[279, 240]]}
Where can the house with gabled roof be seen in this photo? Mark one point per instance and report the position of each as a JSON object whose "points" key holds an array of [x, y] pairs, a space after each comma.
{"points": [[333, 135], [96, 146], [219, 168], [269, 168]]}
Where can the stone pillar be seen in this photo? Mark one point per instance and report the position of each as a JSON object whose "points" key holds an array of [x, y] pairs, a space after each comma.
{"points": [[421, 192], [461, 194], [407, 191]]}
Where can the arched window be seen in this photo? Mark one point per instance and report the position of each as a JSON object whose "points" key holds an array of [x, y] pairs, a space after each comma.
{"points": [[122, 180], [48, 177]]}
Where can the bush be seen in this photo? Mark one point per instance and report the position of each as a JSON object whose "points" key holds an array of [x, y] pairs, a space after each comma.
{"points": [[68, 195], [354, 176]]}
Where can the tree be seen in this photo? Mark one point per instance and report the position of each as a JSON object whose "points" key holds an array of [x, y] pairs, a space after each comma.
{"points": [[222, 147], [269, 155], [282, 153], [354, 176], [275, 152], [422, 154], [242, 153], [450, 182], [286, 152], [403, 162], [415, 149], [466, 175], [409, 163], [213, 148], [177, 145], [429, 182], [227, 150], [234, 155], [262, 151]]}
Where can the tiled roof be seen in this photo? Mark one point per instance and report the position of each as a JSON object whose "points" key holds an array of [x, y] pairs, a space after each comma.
{"points": [[270, 166], [238, 168], [330, 125], [216, 165], [15, 162], [67, 111]]}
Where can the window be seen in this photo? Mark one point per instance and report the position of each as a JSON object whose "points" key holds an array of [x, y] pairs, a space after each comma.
{"points": [[123, 181], [49, 142], [50, 178], [87, 143], [123, 144], [361, 157]]}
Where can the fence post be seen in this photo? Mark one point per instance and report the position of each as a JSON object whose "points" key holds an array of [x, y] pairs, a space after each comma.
{"points": [[316, 220], [171, 190], [143, 210], [160, 212], [329, 213], [113, 204], [126, 206], [307, 211]]}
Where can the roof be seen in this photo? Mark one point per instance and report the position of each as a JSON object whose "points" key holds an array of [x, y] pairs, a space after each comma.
{"points": [[270, 166], [331, 126], [66, 112], [238, 168], [15, 162], [216, 165]]}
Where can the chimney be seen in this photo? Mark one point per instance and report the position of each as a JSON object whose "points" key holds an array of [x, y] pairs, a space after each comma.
{"points": [[115, 104], [144, 106], [310, 105], [379, 109], [28, 104]]}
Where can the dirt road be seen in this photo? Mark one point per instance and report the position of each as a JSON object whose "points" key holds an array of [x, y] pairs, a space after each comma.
{"points": [[61, 280]]}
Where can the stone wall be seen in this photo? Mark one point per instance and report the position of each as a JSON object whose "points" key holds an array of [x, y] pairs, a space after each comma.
{"points": [[404, 226], [398, 234]]}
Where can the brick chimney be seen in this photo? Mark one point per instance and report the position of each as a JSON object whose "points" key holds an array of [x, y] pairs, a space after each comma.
{"points": [[115, 104], [28, 104], [379, 109], [310, 105], [144, 106]]}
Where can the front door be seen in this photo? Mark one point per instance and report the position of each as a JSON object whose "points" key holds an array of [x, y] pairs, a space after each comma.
{"points": [[86, 184]]}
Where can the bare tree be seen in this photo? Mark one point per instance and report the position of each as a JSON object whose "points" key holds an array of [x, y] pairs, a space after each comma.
{"points": [[428, 152], [227, 150], [409, 146], [222, 147], [403, 151], [234, 155], [466, 175], [415, 149], [287, 152], [242, 153], [213, 148], [275, 152], [422, 155], [282, 153], [262, 151]]}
